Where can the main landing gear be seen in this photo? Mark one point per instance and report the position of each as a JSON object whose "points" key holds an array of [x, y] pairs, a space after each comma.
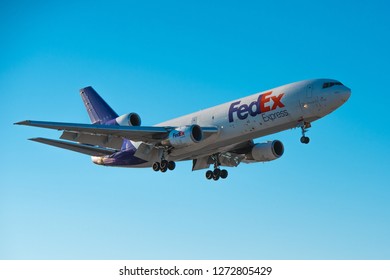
{"points": [[217, 172], [304, 127], [164, 165]]}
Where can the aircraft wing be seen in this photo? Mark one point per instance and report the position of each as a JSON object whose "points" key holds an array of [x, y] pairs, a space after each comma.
{"points": [[80, 148], [97, 134]]}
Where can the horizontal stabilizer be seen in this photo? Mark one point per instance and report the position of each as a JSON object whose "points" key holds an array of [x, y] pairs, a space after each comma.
{"points": [[80, 148]]}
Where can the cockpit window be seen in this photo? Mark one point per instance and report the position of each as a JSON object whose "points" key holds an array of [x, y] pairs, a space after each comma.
{"points": [[331, 84]]}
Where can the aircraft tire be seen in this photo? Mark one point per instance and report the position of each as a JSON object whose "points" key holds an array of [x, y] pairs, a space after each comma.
{"points": [[164, 169], [305, 140], [171, 165], [217, 172], [224, 174], [164, 163], [209, 174], [156, 166]]}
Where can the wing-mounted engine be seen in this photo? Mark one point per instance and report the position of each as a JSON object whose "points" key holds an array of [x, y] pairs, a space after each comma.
{"points": [[184, 136], [267, 151], [130, 119]]}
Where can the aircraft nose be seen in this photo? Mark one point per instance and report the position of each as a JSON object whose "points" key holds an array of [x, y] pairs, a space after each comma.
{"points": [[346, 94]]}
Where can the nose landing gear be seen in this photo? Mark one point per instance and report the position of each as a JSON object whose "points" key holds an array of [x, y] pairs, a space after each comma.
{"points": [[304, 127]]}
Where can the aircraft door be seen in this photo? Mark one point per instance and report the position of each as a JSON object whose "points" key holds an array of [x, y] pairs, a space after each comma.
{"points": [[309, 101]]}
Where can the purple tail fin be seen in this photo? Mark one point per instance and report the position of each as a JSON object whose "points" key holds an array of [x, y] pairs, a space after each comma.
{"points": [[98, 110]]}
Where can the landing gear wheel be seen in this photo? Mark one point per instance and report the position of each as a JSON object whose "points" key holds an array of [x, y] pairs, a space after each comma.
{"points": [[209, 174], [164, 169], [305, 140], [156, 166], [164, 164], [223, 174], [171, 165], [217, 172]]}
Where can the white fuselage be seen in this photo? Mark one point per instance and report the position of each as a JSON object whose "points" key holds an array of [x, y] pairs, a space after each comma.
{"points": [[260, 114]]}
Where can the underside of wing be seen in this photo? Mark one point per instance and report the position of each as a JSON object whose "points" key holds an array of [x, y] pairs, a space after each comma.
{"points": [[80, 148], [111, 136], [232, 156], [135, 133]]}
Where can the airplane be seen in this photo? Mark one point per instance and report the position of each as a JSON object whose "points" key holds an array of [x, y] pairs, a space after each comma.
{"points": [[222, 136]]}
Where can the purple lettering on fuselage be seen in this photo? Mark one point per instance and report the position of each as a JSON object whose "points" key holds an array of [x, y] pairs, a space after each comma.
{"points": [[261, 105]]}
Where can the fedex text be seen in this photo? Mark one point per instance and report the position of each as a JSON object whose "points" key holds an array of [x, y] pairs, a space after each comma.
{"points": [[264, 103]]}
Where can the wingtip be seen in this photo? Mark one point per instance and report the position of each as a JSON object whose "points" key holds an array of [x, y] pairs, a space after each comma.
{"points": [[22, 122]]}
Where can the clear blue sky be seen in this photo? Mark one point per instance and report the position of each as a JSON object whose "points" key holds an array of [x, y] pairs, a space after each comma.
{"points": [[161, 59]]}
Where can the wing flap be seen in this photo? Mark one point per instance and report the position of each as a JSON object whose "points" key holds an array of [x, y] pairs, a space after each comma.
{"points": [[201, 163], [80, 148], [113, 142]]}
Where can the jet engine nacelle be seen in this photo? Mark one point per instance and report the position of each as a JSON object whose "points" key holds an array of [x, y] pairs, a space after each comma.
{"points": [[184, 136], [266, 151], [130, 119]]}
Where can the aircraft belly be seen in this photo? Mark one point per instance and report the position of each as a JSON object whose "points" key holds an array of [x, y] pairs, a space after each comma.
{"points": [[144, 165]]}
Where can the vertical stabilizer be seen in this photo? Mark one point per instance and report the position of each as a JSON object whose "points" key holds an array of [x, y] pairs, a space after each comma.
{"points": [[98, 110]]}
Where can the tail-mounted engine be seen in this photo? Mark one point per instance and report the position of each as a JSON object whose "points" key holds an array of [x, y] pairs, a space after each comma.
{"points": [[266, 151], [130, 119], [184, 136]]}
